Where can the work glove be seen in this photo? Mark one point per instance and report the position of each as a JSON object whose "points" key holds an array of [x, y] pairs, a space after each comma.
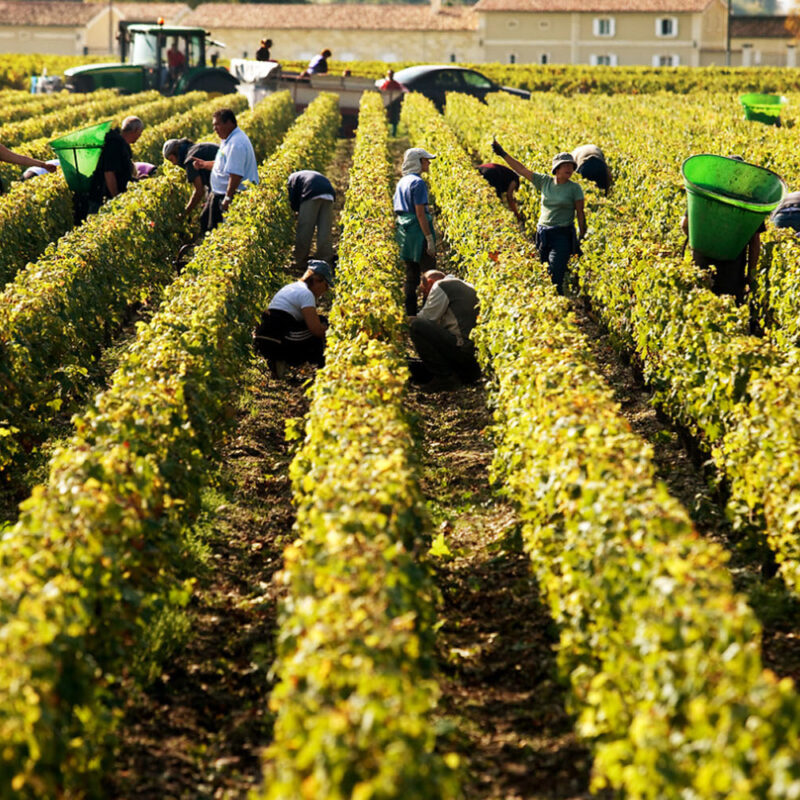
{"points": [[431, 245], [497, 148]]}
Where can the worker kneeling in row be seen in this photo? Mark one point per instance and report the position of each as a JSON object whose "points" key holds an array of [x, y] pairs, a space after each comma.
{"points": [[291, 331], [440, 333]]}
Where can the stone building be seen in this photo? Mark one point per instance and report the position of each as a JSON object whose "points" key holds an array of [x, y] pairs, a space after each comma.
{"points": [[762, 42], [659, 33]]}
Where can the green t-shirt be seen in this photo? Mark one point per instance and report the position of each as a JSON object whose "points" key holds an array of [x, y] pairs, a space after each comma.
{"points": [[558, 200]]}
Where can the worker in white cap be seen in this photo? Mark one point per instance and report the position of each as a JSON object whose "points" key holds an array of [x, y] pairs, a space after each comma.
{"points": [[415, 233]]}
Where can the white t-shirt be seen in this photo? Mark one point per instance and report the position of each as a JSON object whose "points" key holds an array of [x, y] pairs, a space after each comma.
{"points": [[234, 157], [293, 298]]}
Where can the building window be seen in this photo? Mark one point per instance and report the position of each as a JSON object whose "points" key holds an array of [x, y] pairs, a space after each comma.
{"points": [[513, 23], [666, 61], [544, 58], [452, 58], [604, 60], [667, 27], [603, 26], [544, 24], [512, 59]]}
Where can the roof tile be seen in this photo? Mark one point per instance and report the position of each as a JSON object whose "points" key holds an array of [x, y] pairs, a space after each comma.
{"points": [[334, 16], [594, 6], [48, 13]]}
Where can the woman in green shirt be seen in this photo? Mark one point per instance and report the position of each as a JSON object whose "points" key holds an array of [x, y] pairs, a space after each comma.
{"points": [[562, 201]]}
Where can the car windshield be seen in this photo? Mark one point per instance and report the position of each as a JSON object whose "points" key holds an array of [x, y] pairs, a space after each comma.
{"points": [[145, 49], [476, 80]]}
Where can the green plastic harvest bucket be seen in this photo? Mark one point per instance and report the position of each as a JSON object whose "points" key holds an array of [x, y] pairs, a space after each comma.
{"points": [[79, 153], [763, 107], [728, 199]]}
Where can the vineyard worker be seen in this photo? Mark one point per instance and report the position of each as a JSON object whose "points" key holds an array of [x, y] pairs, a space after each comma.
{"points": [[440, 332], [731, 276], [562, 201], [318, 65], [311, 197], [591, 164], [232, 169], [115, 169], [291, 331], [504, 181], [415, 233], [262, 54], [35, 171], [10, 157], [182, 152], [787, 214]]}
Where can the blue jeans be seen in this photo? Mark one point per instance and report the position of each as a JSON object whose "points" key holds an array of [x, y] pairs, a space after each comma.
{"points": [[555, 246]]}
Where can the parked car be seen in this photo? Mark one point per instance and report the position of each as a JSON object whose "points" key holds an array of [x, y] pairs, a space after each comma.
{"points": [[435, 80]]}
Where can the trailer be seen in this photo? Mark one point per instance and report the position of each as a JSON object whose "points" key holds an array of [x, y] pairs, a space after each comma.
{"points": [[257, 79]]}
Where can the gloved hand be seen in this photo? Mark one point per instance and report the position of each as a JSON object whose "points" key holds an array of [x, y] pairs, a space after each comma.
{"points": [[431, 244], [497, 148]]}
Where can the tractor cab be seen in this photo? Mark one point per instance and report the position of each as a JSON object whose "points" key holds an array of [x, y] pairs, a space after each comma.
{"points": [[170, 58]]}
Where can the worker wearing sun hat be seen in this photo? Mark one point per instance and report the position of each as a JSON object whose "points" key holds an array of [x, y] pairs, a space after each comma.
{"points": [[562, 201], [415, 233]]}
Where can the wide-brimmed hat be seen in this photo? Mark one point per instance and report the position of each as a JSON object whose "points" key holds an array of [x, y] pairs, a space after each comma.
{"points": [[563, 158], [321, 268]]}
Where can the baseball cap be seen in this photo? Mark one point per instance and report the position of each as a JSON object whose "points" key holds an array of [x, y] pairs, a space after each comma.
{"points": [[321, 268]]}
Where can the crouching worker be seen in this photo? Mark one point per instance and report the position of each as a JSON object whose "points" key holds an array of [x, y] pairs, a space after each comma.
{"points": [[440, 333], [291, 331]]}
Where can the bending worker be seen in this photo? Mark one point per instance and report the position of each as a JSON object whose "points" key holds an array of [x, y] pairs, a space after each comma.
{"points": [[504, 181], [232, 169], [787, 214], [591, 164], [311, 197], [562, 201], [440, 332], [291, 331], [415, 234], [730, 276], [183, 152]]}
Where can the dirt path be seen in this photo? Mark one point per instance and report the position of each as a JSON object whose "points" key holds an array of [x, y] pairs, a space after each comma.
{"points": [[196, 732], [496, 643]]}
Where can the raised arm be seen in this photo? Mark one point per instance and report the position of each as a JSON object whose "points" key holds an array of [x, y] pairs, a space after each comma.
{"points": [[512, 162]]}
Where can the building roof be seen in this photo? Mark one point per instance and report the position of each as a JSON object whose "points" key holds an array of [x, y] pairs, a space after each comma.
{"points": [[771, 27], [150, 12], [263, 18], [595, 6], [48, 13]]}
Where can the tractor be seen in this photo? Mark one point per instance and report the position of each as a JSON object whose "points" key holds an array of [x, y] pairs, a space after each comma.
{"points": [[170, 58]]}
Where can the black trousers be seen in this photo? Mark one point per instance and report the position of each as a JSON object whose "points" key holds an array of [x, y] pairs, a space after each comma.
{"points": [[280, 337], [440, 353], [212, 212], [414, 270]]}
